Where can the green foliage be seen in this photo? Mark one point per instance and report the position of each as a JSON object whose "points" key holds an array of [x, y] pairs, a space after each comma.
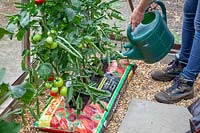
{"points": [[23, 92], [3, 32], [45, 70], [9, 127], [6, 127]]}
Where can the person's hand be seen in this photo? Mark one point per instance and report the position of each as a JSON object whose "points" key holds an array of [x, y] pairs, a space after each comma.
{"points": [[152, 7], [137, 15]]}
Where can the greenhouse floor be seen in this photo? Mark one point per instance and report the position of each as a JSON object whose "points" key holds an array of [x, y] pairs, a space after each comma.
{"points": [[152, 117]]}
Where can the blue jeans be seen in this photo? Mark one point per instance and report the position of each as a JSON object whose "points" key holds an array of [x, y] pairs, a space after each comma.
{"points": [[190, 48]]}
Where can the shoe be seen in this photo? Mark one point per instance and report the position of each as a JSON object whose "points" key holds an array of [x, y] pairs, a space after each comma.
{"points": [[181, 89], [167, 74]]}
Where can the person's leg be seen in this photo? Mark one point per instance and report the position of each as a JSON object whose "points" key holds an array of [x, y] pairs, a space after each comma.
{"points": [[193, 67], [188, 31], [182, 86], [177, 65]]}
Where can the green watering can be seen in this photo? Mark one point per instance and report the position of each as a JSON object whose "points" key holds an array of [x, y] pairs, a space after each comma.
{"points": [[151, 40]]}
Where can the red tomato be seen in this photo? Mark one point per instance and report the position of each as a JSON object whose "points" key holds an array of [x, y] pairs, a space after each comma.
{"points": [[53, 94], [39, 2], [51, 78]]}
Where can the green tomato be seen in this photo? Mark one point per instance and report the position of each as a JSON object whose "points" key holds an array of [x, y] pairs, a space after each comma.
{"points": [[63, 91], [80, 45], [49, 40], [58, 82], [53, 31], [48, 45], [54, 89], [31, 40], [54, 45], [37, 37], [48, 85], [65, 19]]}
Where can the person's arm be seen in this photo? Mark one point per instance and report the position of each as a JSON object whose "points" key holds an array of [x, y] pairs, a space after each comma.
{"points": [[138, 13]]}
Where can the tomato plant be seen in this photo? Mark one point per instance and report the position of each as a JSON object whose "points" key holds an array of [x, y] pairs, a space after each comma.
{"points": [[70, 38]]}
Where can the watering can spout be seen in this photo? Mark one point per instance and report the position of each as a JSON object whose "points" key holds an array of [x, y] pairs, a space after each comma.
{"points": [[133, 53], [151, 40]]}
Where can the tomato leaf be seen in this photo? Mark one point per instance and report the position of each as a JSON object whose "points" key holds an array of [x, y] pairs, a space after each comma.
{"points": [[10, 27], [20, 34], [45, 70], [25, 19], [24, 92], [3, 32], [4, 88], [98, 92], [102, 105], [4, 92], [70, 14], [27, 97], [79, 104], [18, 91], [69, 94], [9, 127]]}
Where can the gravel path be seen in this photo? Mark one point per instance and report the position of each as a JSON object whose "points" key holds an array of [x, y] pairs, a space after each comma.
{"points": [[143, 87]]}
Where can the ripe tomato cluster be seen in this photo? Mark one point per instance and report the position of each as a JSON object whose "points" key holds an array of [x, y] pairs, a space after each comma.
{"points": [[56, 86]]}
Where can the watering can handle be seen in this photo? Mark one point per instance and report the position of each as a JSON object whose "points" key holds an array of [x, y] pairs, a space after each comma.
{"points": [[162, 5]]}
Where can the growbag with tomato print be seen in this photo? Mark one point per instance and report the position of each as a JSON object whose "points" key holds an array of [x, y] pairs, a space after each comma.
{"points": [[93, 118]]}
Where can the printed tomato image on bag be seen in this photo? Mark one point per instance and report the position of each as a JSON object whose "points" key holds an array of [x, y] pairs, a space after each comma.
{"points": [[54, 122]]}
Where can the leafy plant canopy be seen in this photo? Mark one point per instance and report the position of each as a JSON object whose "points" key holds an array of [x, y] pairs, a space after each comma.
{"points": [[70, 39]]}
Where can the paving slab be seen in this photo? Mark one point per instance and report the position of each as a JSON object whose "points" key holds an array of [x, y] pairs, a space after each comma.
{"points": [[167, 59], [152, 117]]}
